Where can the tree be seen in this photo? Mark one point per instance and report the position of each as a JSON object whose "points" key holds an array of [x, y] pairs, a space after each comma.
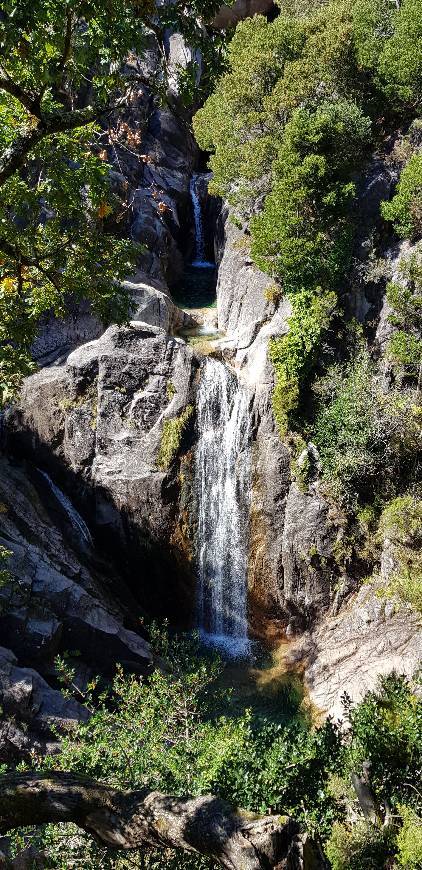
{"points": [[60, 80], [135, 820]]}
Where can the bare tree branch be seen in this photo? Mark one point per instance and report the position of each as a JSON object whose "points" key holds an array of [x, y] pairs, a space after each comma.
{"points": [[135, 819]]}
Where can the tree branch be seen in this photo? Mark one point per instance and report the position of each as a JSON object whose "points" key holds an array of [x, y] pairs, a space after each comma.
{"points": [[135, 819], [32, 104], [14, 156]]}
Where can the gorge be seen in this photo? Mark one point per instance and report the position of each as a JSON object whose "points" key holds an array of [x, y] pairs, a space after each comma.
{"points": [[210, 505]]}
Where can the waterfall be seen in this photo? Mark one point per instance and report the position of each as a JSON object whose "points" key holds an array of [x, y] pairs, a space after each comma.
{"points": [[223, 483], [74, 517], [199, 261]]}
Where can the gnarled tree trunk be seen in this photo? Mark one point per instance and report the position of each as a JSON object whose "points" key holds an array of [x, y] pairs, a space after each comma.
{"points": [[135, 820]]}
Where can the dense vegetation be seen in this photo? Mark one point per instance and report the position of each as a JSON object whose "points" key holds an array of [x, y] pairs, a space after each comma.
{"points": [[61, 88], [169, 733], [304, 100]]}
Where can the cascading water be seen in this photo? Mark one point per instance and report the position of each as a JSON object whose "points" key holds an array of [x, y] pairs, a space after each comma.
{"points": [[196, 287], [223, 485], [200, 260], [74, 517]]}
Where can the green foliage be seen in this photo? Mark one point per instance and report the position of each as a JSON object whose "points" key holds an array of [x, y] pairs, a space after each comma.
{"points": [[288, 125], [401, 524], [400, 62], [302, 234], [61, 72], [359, 847], [5, 576], [171, 437], [293, 354], [405, 209], [167, 733], [386, 732], [409, 840], [405, 299], [364, 436]]}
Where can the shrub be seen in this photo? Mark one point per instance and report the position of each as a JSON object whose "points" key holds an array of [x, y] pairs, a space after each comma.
{"points": [[405, 299], [401, 523], [167, 733], [293, 354], [364, 436], [386, 734], [405, 209], [171, 438], [359, 847], [409, 840]]}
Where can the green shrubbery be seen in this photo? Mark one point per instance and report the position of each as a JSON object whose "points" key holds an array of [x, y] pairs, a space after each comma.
{"points": [[405, 300], [401, 525], [301, 103], [171, 437], [405, 209], [361, 846], [293, 354], [365, 436], [169, 733]]}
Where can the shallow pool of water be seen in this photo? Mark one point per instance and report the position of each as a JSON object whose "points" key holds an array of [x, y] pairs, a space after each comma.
{"points": [[196, 288]]}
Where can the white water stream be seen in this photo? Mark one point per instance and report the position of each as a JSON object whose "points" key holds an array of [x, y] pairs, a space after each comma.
{"points": [[199, 261], [223, 482], [74, 517]]}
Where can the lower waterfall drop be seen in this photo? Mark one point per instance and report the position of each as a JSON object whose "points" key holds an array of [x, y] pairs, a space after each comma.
{"points": [[223, 481]]}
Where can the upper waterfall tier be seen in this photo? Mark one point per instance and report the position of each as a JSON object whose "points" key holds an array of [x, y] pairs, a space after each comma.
{"points": [[223, 479], [200, 256]]}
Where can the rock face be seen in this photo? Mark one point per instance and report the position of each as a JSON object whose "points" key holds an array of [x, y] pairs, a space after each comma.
{"points": [[30, 707], [96, 423], [309, 569], [59, 599], [347, 653], [229, 16]]}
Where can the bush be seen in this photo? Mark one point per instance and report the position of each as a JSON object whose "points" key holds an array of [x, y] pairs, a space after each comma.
{"points": [[405, 209], [409, 840], [167, 733], [386, 734], [360, 847], [405, 300], [293, 354], [401, 523], [365, 437]]}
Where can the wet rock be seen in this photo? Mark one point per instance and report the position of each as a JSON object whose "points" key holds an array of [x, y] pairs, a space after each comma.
{"points": [[55, 602]]}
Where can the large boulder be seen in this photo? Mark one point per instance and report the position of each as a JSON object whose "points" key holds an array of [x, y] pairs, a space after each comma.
{"points": [[97, 424], [348, 652], [30, 710], [310, 572]]}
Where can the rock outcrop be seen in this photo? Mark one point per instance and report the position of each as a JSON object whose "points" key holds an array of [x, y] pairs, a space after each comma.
{"points": [[96, 424], [30, 709], [370, 636], [60, 598], [229, 16]]}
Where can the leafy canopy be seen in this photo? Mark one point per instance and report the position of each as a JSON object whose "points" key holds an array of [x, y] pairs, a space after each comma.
{"points": [[60, 77], [289, 124]]}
